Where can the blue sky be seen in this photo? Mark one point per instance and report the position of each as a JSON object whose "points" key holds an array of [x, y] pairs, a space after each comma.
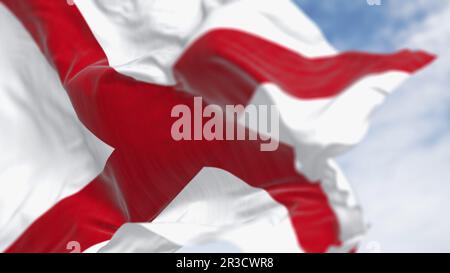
{"points": [[353, 24], [347, 26], [401, 171]]}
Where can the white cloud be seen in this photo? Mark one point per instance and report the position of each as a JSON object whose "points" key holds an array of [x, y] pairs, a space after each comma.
{"points": [[401, 172], [402, 10]]}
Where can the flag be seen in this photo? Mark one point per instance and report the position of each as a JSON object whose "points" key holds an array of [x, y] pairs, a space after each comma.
{"points": [[88, 161]]}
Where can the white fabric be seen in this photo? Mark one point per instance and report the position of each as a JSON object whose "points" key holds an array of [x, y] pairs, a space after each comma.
{"points": [[319, 130], [322, 129], [215, 209], [46, 153], [144, 38], [42, 163]]}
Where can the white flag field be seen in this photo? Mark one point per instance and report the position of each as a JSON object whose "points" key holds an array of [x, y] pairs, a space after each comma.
{"points": [[88, 159]]}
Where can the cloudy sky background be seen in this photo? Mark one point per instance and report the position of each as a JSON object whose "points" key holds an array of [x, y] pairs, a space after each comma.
{"points": [[401, 172]]}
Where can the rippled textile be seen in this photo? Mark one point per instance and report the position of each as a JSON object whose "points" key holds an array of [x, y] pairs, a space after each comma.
{"points": [[88, 159]]}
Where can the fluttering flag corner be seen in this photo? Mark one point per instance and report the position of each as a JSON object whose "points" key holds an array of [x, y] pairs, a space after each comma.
{"points": [[89, 97]]}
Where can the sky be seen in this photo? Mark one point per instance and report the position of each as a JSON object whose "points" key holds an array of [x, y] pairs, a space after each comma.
{"points": [[401, 171]]}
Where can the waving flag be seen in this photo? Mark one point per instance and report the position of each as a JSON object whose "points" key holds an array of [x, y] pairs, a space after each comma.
{"points": [[87, 156]]}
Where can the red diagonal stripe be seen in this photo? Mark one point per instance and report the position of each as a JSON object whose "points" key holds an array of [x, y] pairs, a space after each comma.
{"points": [[223, 61], [148, 169]]}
